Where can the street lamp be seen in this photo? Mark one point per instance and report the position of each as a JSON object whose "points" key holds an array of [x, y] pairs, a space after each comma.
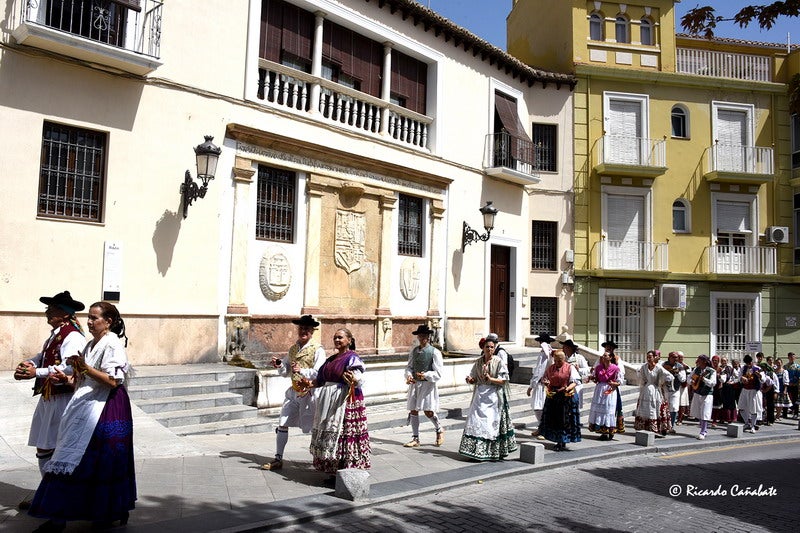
{"points": [[207, 155], [470, 235]]}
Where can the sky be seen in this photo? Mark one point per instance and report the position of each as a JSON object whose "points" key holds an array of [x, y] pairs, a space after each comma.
{"points": [[487, 19]]}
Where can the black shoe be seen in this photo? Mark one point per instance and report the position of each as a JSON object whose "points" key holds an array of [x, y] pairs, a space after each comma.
{"points": [[51, 527], [24, 505]]}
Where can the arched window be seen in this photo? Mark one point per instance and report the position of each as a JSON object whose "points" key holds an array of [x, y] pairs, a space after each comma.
{"points": [[681, 216], [622, 29], [680, 122], [596, 32], [646, 31]]}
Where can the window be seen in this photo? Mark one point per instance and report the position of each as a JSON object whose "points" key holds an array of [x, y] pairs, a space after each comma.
{"points": [[622, 29], [680, 122], [544, 315], [797, 229], [596, 32], [646, 32], [276, 204], [627, 318], [681, 219], [409, 81], [334, 72], [734, 322], [544, 246], [733, 218], [627, 221], [733, 133], [545, 137], [357, 60], [409, 227], [626, 120], [795, 141], [99, 20], [72, 174], [286, 34]]}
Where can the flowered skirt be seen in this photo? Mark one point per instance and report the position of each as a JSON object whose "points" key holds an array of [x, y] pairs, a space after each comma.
{"points": [[561, 419], [340, 438], [782, 400], [484, 444], [660, 425], [103, 485]]}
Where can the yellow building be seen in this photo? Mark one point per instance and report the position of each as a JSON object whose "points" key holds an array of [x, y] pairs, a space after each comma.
{"points": [[683, 179]]}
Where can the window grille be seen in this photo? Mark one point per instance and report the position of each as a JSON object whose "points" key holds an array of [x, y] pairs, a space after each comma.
{"points": [[543, 245], [625, 325], [732, 326], [544, 315], [72, 174], [545, 141], [409, 238], [276, 204]]}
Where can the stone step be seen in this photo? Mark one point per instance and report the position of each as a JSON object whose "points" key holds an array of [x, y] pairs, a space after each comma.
{"points": [[258, 424], [189, 402], [151, 391], [205, 415]]}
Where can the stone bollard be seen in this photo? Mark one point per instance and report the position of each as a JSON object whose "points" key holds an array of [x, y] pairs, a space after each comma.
{"points": [[735, 430], [531, 452], [645, 438], [352, 484]]}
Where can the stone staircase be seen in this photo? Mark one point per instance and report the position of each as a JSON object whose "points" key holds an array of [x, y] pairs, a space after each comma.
{"points": [[199, 399]]}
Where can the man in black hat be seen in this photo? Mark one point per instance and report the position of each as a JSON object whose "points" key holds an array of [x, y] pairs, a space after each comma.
{"points": [[536, 390], [66, 339], [301, 364], [424, 369]]}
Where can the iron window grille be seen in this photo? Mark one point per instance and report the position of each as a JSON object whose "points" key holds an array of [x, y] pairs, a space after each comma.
{"points": [[543, 245], [545, 142], [409, 238], [72, 174], [544, 314], [276, 204]]}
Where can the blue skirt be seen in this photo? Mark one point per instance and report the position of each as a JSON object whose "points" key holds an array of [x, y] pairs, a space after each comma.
{"points": [[561, 419], [103, 486]]}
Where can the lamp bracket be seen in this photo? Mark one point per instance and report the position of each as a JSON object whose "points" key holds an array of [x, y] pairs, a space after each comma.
{"points": [[190, 192], [469, 236]]}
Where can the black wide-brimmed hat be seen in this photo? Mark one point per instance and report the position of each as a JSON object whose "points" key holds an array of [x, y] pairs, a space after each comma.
{"points": [[570, 343], [306, 320], [64, 301], [544, 337], [610, 344], [423, 329]]}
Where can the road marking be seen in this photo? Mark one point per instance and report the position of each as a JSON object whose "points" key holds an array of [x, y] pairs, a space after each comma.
{"points": [[725, 448]]}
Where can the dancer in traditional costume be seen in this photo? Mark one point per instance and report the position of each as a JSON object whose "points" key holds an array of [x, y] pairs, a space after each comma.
{"points": [[683, 402], [782, 403], [424, 370], [652, 412], [488, 433], [703, 380], [603, 411], [301, 363], [674, 388], [727, 392], [536, 389], [91, 474], [339, 438], [66, 338], [561, 418], [610, 347], [751, 402]]}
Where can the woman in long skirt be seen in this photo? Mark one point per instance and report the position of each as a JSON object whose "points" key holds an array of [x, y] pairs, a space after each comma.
{"points": [[603, 411], [339, 438], [561, 418], [652, 413], [488, 433], [91, 475]]}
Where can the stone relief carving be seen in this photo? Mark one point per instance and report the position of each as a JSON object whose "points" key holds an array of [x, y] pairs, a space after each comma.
{"points": [[275, 274], [351, 240], [409, 278]]}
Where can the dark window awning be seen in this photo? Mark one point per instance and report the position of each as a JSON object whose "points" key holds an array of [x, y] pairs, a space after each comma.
{"points": [[507, 111], [130, 4]]}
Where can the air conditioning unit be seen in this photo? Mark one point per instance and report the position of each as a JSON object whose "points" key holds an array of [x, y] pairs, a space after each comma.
{"points": [[777, 234], [672, 296]]}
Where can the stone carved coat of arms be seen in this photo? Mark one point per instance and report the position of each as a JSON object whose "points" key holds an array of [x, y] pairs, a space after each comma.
{"points": [[350, 241]]}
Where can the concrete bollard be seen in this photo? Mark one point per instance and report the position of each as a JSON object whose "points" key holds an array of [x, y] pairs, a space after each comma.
{"points": [[352, 484], [645, 438], [735, 430], [531, 452]]}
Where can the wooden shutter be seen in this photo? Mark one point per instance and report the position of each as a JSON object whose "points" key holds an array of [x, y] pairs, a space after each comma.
{"points": [[368, 64], [271, 30], [732, 137], [624, 125], [298, 32], [409, 80], [733, 217]]}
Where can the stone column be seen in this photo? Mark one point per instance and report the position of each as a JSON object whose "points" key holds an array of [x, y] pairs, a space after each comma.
{"points": [[316, 61], [386, 86], [437, 214], [387, 204], [242, 179], [315, 192]]}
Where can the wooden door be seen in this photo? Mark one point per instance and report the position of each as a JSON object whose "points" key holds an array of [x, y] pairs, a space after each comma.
{"points": [[499, 287]]}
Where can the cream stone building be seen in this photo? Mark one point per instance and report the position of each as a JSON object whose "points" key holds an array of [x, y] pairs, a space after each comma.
{"points": [[357, 139]]}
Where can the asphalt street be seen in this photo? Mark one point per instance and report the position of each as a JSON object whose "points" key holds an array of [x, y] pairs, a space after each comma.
{"points": [[749, 488]]}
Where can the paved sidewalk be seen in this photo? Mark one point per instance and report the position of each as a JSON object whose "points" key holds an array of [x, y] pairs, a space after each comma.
{"points": [[213, 482]]}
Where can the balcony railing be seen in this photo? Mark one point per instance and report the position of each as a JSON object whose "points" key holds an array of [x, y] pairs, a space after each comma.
{"points": [[741, 259], [294, 89], [634, 151], [634, 255], [132, 25], [723, 64], [740, 159]]}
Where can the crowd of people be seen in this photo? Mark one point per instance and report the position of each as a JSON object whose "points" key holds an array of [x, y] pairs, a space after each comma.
{"points": [[82, 428]]}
